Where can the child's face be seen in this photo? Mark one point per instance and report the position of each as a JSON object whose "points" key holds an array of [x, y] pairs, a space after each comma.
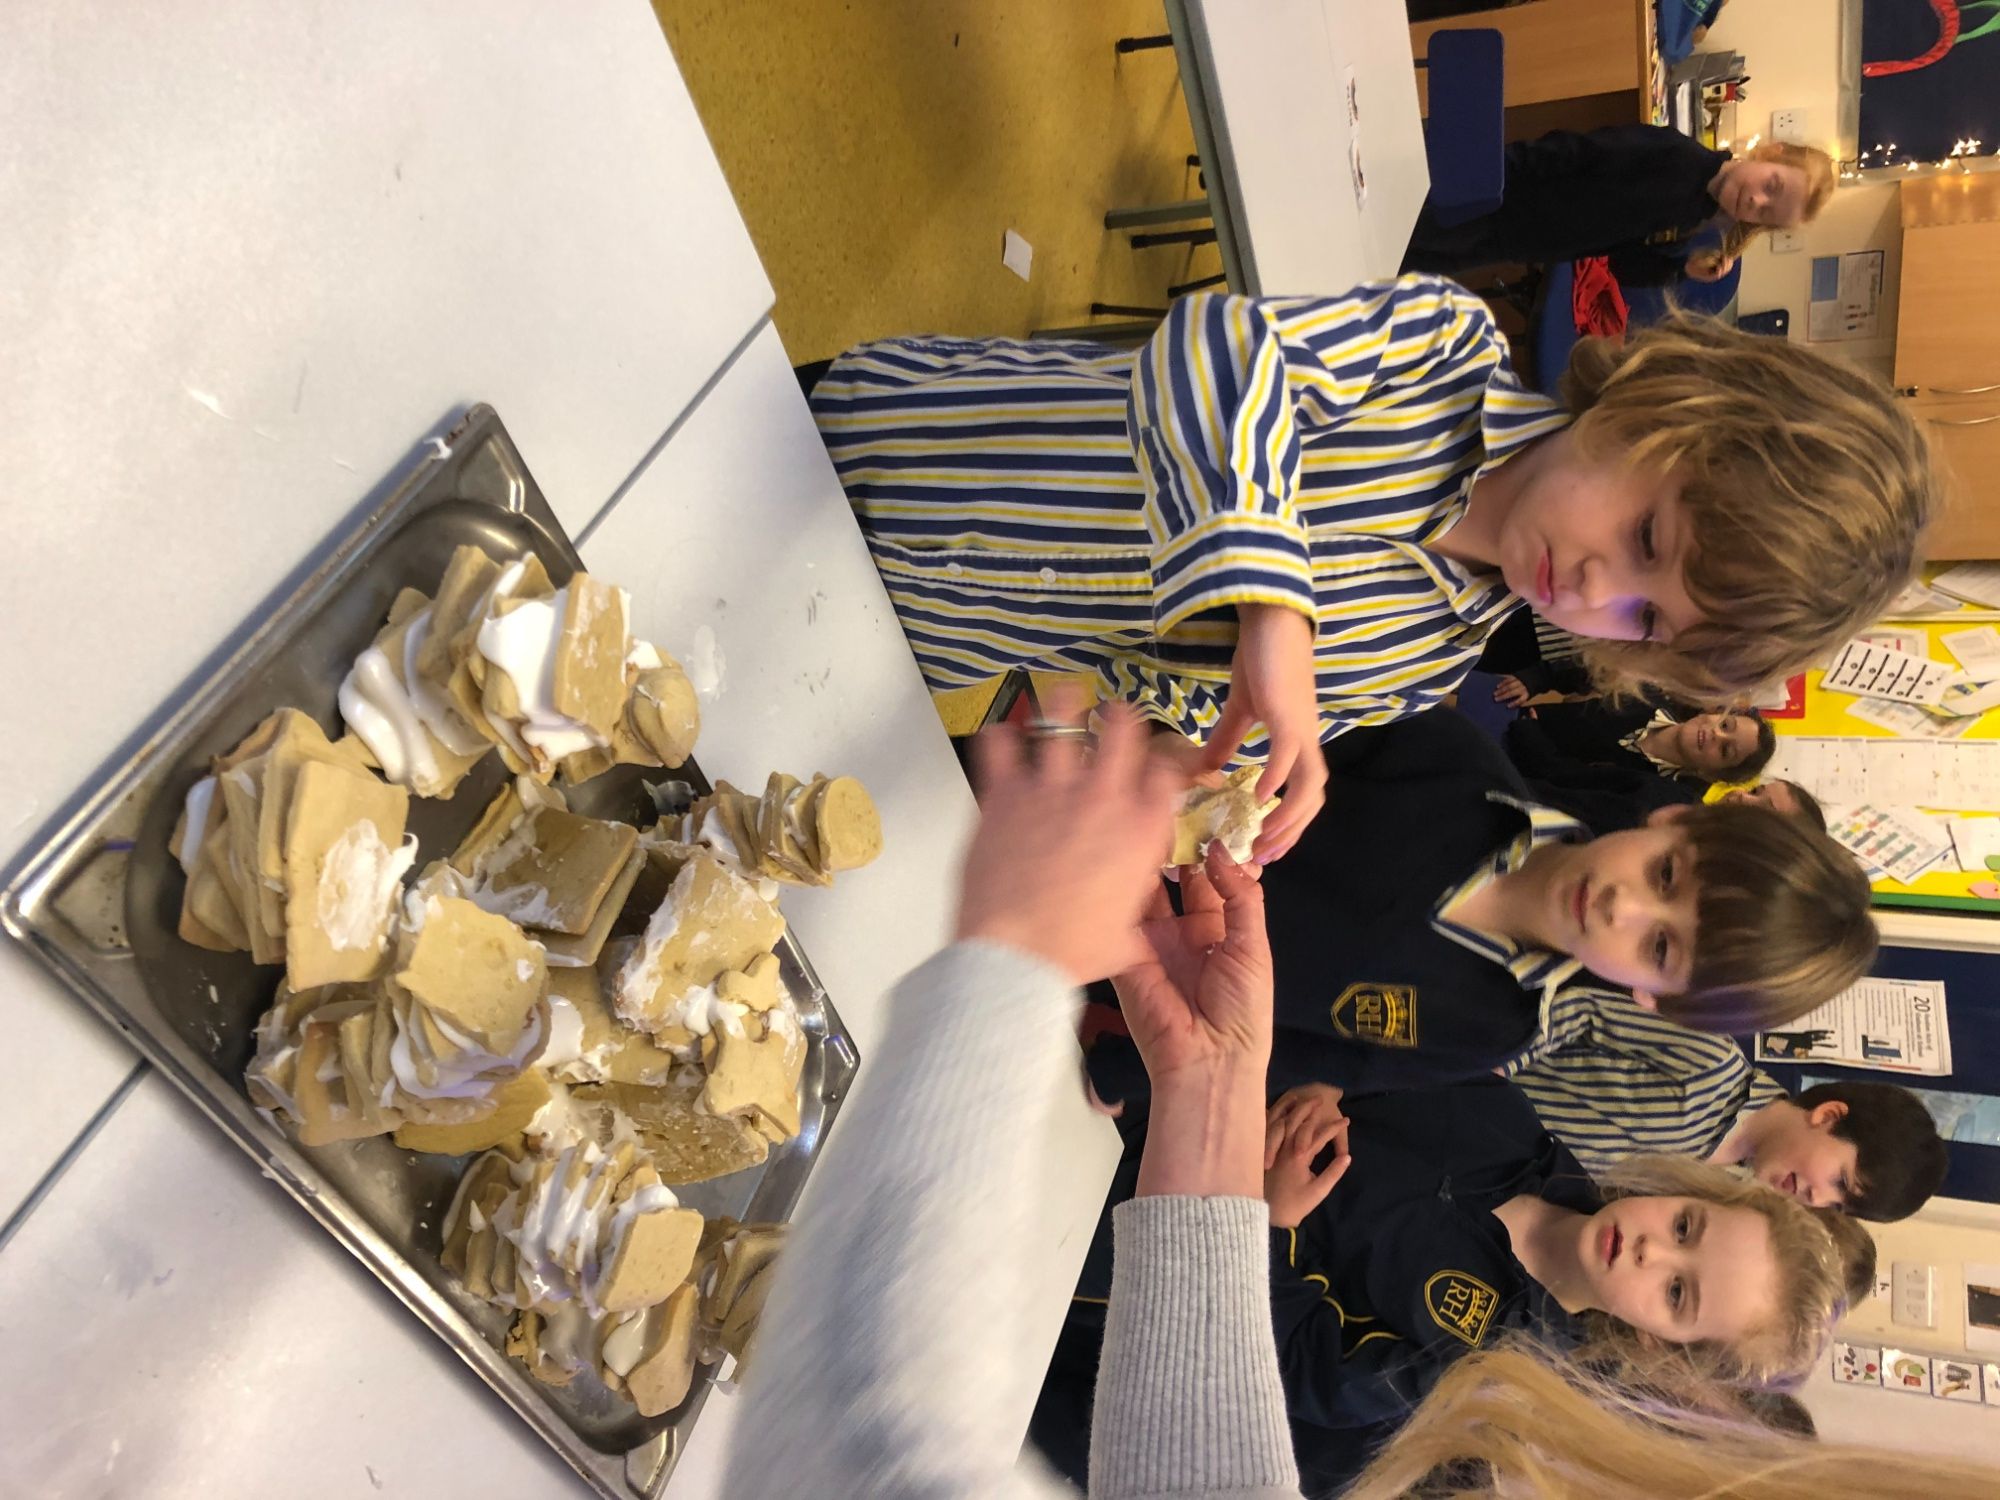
{"points": [[1624, 905], [1713, 745], [1598, 548], [1779, 796], [1680, 1269], [1763, 192], [1802, 1156]]}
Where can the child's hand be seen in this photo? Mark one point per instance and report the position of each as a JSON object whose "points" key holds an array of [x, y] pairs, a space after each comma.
{"points": [[1291, 1187], [1510, 691], [1311, 1110], [1272, 682]]}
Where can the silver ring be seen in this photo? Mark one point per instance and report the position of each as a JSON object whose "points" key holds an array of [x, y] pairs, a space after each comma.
{"points": [[1048, 729]]}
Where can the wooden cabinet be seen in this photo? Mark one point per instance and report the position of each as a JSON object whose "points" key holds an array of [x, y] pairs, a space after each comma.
{"points": [[1948, 346]]}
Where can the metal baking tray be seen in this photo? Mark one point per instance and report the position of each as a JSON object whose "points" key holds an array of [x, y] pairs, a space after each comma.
{"points": [[100, 902]]}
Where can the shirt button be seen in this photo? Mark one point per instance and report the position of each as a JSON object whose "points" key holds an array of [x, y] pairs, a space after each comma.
{"points": [[954, 569], [1048, 575]]}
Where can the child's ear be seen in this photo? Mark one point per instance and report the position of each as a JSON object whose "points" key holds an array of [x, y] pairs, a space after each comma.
{"points": [[1659, 817], [1646, 1000], [1823, 1116]]}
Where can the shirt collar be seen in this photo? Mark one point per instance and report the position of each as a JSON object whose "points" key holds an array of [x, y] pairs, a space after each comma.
{"points": [[1635, 741], [1510, 418], [1532, 968]]}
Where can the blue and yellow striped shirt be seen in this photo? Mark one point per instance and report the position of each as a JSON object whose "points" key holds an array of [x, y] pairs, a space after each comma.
{"points": [[1618, 1080], [1068, 507]]}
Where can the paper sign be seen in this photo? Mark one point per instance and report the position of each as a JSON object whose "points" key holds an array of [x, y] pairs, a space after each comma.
{"points": [[1906, 1370], [1785, 701], [1017, 255], [1954, 1379], [1883, 672], [1968, 700], [1977, 650], [1959, 775], [1912, 719], [1890, 1025], [1920, 599], [1912, 641], [1857, 1364], [1975, 840], [1846, 296], [1901, 845], [1975, 582]]}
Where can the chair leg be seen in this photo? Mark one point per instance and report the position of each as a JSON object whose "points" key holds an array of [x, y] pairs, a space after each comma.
{"points": [[1161, 213], [1183, 288], [1174, 237], [1120, 310], [1143, 43], [1136, 332]]}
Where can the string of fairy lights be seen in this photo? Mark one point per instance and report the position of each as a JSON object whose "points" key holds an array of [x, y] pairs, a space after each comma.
{"points": [[1882, 158]]}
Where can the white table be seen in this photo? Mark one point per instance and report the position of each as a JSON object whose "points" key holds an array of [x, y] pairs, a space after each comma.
{"points": [[1265, 82], [254, 254], [184, 1329]]}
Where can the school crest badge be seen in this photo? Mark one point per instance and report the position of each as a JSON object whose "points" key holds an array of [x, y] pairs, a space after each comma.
{"points": [[1461, 1305], [1385, 1014]]}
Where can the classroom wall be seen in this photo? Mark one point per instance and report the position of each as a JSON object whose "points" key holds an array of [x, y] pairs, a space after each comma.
{"points": [[1791, 48], [1946, 1234]]}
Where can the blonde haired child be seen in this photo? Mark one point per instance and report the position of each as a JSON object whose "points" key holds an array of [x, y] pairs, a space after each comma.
{"points": [[1525, 1420], [1639, 194], [1456, 1219], [1309, 513]]}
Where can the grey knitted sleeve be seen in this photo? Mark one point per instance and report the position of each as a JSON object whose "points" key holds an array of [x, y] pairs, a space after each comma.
{"points": [[1188, 1396]]}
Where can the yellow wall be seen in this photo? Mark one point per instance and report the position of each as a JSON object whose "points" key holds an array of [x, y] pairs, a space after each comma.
{"points": [[1827, 715]]}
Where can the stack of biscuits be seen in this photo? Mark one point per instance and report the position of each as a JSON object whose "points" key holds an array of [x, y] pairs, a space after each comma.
{"points": [[605, 1268], [801, 833], [1229, 814], [434, 1045], [503, 659], [294, 853]]}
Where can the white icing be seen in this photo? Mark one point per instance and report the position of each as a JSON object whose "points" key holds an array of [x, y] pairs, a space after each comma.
{"points": [[200, 801], [379, 710], [565, 1034], [524, 644], [714, 833], [644, 655], [357, 887], [437, 711], [703, 1010], [625, 1343], [470, 1075]]}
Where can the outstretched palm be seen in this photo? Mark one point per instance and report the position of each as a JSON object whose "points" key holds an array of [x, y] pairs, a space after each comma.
{"points": [[1204, 994]]}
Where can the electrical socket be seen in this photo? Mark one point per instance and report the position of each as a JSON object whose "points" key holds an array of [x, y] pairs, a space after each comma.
{"points": [[1789, 125], [1786, 241], [1914, 1302]]}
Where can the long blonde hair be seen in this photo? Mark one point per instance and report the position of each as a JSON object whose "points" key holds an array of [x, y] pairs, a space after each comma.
{"points": [[1806, 489], [1519, 1421], [1812, 1288], [1820, 183]]}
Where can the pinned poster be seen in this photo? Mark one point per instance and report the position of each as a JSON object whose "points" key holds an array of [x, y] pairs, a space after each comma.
{"points": [[1954, 1379], [1901, 844], [1857, 1364], [1873, 671], [1906, 1370], [1890, 1025], [1977, 651]]}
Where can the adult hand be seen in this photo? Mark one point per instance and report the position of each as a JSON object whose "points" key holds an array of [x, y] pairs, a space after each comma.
{"points": [[1510, 691], [1199, 1010], [1201, 998], [1291, 1186], [1272, 681], [1068, 849]]}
